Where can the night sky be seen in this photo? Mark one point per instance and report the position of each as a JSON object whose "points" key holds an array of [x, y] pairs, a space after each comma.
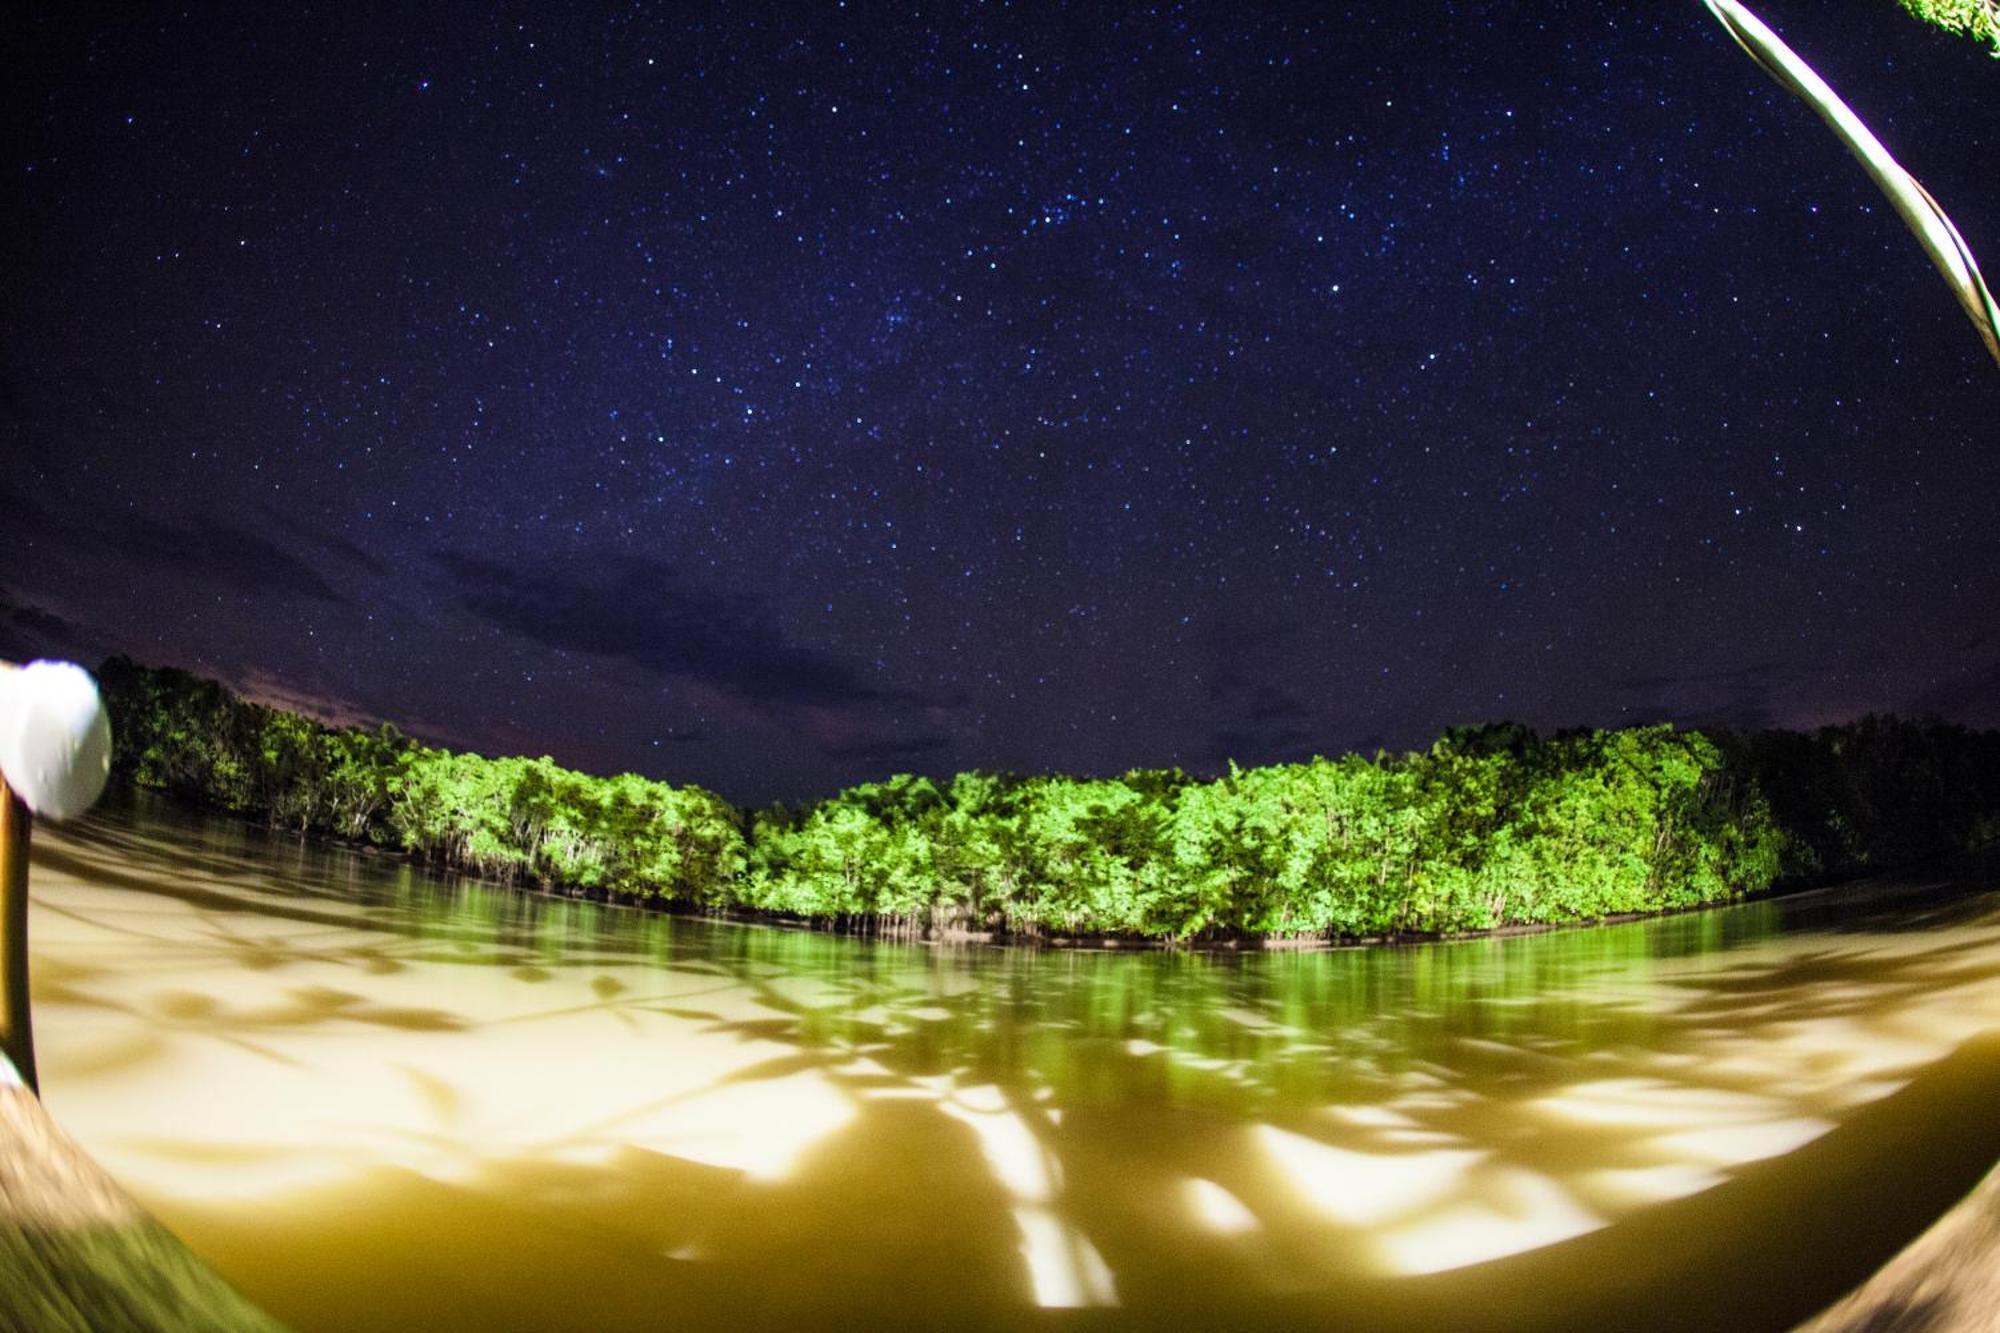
{"points": [[778, 398]]}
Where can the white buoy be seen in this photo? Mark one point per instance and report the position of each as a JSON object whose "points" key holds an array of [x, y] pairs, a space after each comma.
{"points": [[55, 740]]}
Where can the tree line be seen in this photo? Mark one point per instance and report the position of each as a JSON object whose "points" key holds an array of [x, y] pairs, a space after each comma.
{"points": [[1491, 826]]}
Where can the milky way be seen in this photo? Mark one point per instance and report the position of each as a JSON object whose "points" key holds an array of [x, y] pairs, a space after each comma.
{"points": [[777, 398]]}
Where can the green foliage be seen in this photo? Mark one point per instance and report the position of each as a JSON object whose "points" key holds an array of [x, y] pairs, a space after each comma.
{"points": [[1491, 826], [1977, 19], [516, 820]]}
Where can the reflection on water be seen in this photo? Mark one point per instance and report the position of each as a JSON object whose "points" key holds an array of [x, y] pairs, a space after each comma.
{"points": [[373, 1100]]}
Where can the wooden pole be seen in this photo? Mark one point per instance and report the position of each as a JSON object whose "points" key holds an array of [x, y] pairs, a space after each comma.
{"points": [[17, 1037]]}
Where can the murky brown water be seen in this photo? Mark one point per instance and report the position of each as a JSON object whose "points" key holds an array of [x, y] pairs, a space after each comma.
{"points": [[375, 1101]]}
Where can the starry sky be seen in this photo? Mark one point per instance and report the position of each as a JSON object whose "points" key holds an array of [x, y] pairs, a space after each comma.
{"points": [[780, 397]]}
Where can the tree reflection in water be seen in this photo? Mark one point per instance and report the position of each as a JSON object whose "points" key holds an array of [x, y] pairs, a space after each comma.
{"points": [[377, 1100]]}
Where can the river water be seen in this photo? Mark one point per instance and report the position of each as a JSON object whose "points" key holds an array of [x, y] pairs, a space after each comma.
{"points": [[376, 1100]]}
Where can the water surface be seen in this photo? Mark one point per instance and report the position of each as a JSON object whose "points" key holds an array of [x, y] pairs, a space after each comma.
{"points": [[377, 1100]]}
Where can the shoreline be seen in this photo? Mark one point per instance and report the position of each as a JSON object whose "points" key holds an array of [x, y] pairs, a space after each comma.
{"points": [[1242, 944], [130, 798]]}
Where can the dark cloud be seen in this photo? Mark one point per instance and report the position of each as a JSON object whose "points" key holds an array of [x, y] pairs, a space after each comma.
{"points": [[338, 545], [1744, 715], [647, 614], [1269, 704], [1259, 723], [1253, 747], [34, 620], [206, 550], [214, 553], [13, 402], [885, 749], [1230, 743], [24, 513], [1744, 698], [1971, 697], [1756, 672], [28, 631]]}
